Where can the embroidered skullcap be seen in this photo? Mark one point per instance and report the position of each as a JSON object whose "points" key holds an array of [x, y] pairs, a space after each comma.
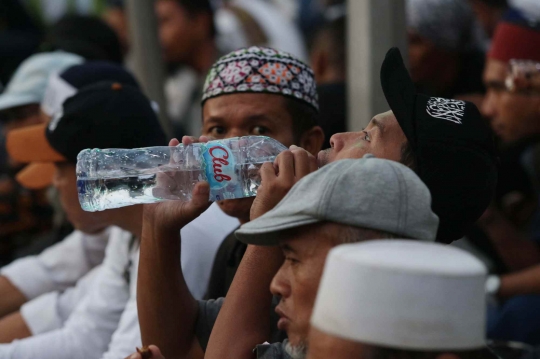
{"points": [[446, 23], [261, 70]]}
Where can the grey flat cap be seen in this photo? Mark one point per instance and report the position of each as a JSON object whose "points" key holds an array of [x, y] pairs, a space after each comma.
{"points": [[369, 192]]}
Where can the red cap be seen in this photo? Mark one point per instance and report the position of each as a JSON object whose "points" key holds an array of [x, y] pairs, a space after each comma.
{"points": [[515, 42]]}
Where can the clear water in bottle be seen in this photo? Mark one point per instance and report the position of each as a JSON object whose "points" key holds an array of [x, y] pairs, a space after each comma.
{"points": [[115, 178]]}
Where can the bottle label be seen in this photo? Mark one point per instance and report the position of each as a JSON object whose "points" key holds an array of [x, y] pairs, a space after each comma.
{"points": [[220, 172]]}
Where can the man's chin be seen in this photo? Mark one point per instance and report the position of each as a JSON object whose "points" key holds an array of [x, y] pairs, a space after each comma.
{"points": [[296, 351]]}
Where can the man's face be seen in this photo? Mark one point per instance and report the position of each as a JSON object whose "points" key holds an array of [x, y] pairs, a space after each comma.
{"points": [[513, 116], [65, 181], [246, 114], [178, 31], [297, 281], [20, 117], [383, 137]]}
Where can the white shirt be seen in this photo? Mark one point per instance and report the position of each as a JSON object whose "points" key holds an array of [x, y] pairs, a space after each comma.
{"points": [[88, 331], [58, 267], [105, 323]]}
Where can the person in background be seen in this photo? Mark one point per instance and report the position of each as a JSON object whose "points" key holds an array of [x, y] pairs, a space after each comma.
{"points": [[514, 116], [489, 13], [444, 60], [353, 318], [46, 283], [207, 32], [64, 274], [102, 115], [115, 16], [25, 214], [186, 32], [87, 36], [329, 62]]}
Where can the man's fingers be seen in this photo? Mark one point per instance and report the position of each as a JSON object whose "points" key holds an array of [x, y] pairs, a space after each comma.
{"points": [[301, 163], [200, 195], [174, 142], [285, 164], [189, 140], [267, 172], [205, 139]]}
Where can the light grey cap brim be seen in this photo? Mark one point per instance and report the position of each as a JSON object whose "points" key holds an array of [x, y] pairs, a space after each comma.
{"points": [[9, 100], [371, 193], [268, 230]]}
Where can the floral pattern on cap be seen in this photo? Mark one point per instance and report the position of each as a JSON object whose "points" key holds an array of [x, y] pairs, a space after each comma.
{"points": [[261, 69]]}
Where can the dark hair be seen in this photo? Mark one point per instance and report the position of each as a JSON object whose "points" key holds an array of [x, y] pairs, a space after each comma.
{"points": [[304, 117], [200, 7], [388, 353], [408, 157], [87, 36]]}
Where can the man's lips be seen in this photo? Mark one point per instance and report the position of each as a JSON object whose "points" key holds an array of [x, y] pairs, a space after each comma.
{"points": [[284, 321]]}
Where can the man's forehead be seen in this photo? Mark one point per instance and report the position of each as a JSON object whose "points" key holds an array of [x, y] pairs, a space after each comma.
{"points": [[308, 237], [385, 120], [495, 70], [244, 102]]}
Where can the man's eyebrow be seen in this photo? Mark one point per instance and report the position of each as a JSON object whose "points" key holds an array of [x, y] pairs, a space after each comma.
{"points": [[378, 124], [213, 120]]}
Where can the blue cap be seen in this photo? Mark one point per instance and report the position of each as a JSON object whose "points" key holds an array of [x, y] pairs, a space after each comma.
{"points": [[27, 86]]}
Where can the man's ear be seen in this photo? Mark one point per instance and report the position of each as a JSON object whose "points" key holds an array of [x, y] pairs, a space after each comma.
{"points": [[312, 140]]}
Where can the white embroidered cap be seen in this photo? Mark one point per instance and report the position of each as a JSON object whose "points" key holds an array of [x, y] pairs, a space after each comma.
{"points": [[403, 294]]}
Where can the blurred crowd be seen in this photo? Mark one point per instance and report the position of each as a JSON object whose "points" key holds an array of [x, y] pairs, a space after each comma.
{"points": [[417, 237]]}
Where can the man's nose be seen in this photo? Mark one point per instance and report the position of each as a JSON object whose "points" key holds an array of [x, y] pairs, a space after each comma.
{"points": [[280, 286], [488, 109], [237, 132], [337, 141]]}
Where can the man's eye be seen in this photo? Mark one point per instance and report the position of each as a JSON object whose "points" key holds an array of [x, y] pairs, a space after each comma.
{"points": [[260, 130], [367, 137], [291, 260], [496, 87], [217, 131]]}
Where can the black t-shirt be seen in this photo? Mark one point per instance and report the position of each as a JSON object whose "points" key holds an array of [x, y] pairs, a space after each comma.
{"points": [[228, 258]]}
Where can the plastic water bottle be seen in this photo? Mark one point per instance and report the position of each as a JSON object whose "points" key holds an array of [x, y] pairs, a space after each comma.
{"points": [[115, 178]]}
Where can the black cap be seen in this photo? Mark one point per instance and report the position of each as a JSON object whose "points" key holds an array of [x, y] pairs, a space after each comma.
{"points": [[105, 115], [453, 146]]}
